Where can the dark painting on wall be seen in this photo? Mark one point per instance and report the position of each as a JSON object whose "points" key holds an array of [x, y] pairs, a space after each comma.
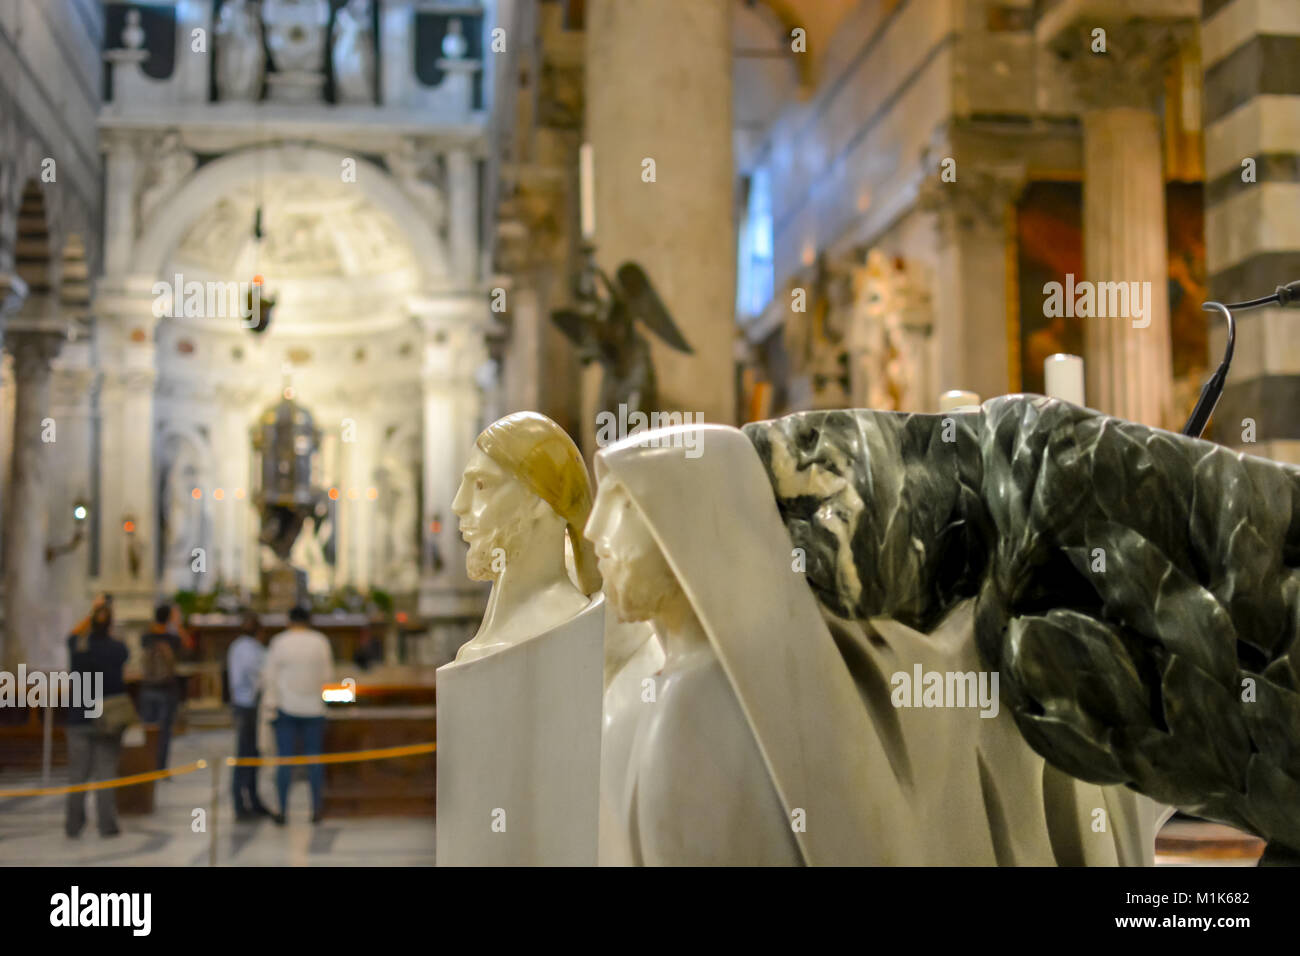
{"points": [[1049, 232]]}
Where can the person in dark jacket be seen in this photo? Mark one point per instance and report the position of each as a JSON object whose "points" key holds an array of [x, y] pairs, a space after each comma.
{"points": [[93, 747], [160, 693]]}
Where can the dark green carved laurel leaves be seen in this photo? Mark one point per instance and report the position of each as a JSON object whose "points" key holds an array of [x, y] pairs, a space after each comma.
{"points": [[901, 492], [1138, 591]]}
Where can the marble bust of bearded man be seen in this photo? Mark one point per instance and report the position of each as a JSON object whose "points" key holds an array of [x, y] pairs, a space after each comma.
{"points": [[522, 502]]}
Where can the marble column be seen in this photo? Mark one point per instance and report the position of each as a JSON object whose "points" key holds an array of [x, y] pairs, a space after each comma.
{"points": [[232, 532], [1252, 235], [1128, 361], [462, 217], [6, 448], [127, 559], [70, 480], [121, 178], [27, 529], [974, 218], [13, 292], [453, 351], [525, 357], [1127, 357], [658, 88]]}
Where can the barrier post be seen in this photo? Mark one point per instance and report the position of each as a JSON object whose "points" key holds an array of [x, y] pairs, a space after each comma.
{"points": [[47, 746], [216, 806]]}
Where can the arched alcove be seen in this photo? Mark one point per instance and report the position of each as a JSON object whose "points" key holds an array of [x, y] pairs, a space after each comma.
{"points": [[250, 169]]}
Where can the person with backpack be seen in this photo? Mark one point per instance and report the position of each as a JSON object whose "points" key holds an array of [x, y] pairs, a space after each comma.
{"points": [[160, 688], [95, 743]]}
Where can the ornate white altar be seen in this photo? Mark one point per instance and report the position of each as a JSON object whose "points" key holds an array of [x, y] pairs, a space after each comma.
{"points": [[326, 167]]}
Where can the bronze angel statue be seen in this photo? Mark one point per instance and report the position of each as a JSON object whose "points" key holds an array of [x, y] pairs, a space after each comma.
{"points": [[604, 329]]}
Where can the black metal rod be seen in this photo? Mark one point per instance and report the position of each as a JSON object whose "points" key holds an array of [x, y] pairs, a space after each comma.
{"points": [[1213, 389]]}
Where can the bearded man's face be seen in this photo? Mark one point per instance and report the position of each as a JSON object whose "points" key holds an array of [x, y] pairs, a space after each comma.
{"points": [[492, 507], [638, 581]]}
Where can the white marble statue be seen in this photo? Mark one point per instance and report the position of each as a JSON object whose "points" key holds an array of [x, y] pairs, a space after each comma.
{"points": [[170, 166], [695, 546], [519, 708], [295, 33], [352, 53], [524, 489], [804, 761], [633, 656], [420, 178], [308, 555], [396, 542], [241, 60], [185, 520]]}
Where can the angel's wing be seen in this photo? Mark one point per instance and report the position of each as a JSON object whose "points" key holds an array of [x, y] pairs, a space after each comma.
{"points": [[645, 306], [577, 328]]}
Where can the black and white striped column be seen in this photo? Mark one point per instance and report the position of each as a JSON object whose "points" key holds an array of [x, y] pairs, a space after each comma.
{"points": [[1251, 57]]}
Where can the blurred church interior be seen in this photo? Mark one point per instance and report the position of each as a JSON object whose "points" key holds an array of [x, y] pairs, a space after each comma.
{"points": [[266, 269]]}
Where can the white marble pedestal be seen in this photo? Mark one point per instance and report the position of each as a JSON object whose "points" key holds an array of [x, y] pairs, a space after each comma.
{"points": [[519, 750]]}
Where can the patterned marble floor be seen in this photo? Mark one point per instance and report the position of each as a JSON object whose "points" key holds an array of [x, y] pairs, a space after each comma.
{"points": [[31, 828]]}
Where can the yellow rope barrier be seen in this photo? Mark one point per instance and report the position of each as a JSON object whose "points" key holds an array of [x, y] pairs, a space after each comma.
{"points": [[348, 757], [106, 784]]}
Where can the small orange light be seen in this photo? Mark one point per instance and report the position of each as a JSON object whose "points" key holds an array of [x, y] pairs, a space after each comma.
{"points": [[401, 617], [352, 493], [334, 494], [219, 494], [372, 493], [435, 527], [257, 280], [128, 527], [196, 493], [239, 492]]}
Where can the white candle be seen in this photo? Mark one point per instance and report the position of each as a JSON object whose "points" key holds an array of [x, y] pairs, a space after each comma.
{"points": [[587, 190], [1063, 378]]}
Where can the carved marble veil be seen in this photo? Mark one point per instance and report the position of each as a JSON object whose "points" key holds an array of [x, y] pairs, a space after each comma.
{"points": [[878, 784], [715, 520]]}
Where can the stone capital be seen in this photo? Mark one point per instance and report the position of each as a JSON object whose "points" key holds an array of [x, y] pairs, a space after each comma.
{"points": [[129, 380], [1131, 71], [977, 199], [33, 348], [120, 143]]}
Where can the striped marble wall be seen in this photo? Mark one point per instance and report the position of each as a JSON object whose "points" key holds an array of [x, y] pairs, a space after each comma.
{"points": [[1251, 58]]}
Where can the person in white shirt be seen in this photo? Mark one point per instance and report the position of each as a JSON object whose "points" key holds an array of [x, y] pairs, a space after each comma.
{"points": [[298, 664], [244, 663]]}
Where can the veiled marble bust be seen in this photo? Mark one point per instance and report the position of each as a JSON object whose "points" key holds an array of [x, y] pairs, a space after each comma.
{"points": [[783, 773], [770, 736], [525, 492]]}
